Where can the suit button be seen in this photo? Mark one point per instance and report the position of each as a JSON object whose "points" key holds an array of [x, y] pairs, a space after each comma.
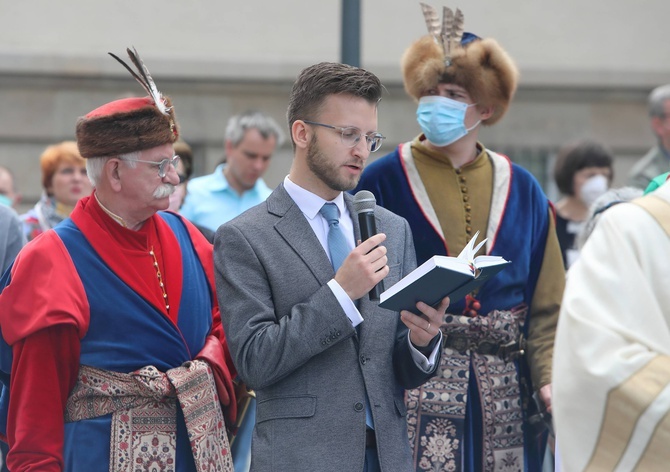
{"points": [[358, 406], [328, 340], [363, 361]]}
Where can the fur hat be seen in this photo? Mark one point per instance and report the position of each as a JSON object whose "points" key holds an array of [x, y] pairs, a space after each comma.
{"points": [[129, 124], [123, 126], [480, 66]]}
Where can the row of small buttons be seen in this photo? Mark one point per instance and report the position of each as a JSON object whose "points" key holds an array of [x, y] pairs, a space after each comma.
{"points": [[466, 200], [334, 334]]}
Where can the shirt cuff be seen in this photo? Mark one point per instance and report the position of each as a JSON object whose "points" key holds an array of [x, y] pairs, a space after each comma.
{"points": [[346, 303], [425, 364]]}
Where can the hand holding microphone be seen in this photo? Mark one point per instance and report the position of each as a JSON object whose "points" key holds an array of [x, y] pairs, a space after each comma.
{"points": [[364, 207], [366, 266]]}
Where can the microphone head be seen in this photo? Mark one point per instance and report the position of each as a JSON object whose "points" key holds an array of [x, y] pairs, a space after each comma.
{"points": [[364, 201]]}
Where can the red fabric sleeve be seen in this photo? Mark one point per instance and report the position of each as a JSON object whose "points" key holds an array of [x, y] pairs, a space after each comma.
{"points": [[213, 353], [44, 371], [45, 290]]}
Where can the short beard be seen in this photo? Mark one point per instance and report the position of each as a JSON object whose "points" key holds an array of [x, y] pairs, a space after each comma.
{"points": [[320, 166], [164, 190]]}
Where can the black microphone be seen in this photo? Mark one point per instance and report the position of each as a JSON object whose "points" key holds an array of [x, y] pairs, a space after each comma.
{"points": [[364, 207]]}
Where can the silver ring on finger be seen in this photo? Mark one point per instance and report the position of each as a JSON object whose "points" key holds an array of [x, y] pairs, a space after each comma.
{"points": [[428, 327]]}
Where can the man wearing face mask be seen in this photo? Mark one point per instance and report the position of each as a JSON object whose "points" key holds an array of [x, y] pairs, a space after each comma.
{"points": [[583, 172], [498, 342]]}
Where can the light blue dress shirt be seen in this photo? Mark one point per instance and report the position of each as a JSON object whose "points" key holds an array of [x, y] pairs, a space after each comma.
{"points": [[211, 201]]}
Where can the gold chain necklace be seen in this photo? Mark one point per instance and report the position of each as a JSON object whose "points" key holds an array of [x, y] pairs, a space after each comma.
{"points": [[113, 216], [160, 278]]}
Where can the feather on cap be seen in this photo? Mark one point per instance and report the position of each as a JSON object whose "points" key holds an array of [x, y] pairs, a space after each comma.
{"points": [[447, 33], [129, 124], [448, 55]]}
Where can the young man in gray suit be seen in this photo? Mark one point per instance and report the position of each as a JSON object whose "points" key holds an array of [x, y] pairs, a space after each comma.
{"points": [[328, 365]]}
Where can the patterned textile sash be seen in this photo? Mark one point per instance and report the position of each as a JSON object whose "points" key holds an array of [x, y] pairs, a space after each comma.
{"points": [[144, 420], [436, 410]]}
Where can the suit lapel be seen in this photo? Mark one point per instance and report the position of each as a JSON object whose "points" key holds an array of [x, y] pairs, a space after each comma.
{"points": [[298, 234]]}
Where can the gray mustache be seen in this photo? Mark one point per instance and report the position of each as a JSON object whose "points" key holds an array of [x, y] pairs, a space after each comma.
{"points": [[165, 190]]}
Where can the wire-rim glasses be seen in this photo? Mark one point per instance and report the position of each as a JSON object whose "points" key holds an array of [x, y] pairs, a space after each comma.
{"points": [[162, 165], [352, 135]]}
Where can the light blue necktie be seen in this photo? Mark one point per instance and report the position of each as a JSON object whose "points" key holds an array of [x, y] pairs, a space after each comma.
{"points": [[337, 242], [339, 250]]}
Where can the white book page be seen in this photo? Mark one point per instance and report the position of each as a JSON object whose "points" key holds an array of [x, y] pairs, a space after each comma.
{"points": [[488, 261], [453, 263]]}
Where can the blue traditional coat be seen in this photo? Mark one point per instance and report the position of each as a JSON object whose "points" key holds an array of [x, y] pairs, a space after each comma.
{"points": [[517, 230]]}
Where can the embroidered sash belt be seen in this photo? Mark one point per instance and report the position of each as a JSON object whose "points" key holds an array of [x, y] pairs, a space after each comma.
{"points": [[482, 346], [507, 351], [144, 420], [497, 334]]}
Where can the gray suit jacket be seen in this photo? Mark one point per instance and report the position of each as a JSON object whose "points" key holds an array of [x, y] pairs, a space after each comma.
{"points": [[292, 342]]}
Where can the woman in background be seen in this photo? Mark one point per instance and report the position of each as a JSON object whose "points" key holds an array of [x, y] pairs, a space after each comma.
{"points": [[64, 181], [583, 172]]}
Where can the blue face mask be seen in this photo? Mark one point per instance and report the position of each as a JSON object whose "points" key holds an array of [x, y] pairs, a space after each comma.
{"points": [[442, 119], [5, 200]]}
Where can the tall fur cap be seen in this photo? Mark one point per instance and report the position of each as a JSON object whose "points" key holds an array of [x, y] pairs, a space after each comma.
{"points": [[481, 67], [124, 126]]}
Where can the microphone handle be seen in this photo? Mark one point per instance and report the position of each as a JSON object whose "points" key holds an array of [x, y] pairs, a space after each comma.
{"points": [[366, 221], [376, 291]]}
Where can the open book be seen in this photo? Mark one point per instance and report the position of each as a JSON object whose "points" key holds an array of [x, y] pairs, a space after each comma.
{"points": [[440, 276]]}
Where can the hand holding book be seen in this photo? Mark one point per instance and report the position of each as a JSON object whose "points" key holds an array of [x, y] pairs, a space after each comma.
{"points": [[442, 276]]}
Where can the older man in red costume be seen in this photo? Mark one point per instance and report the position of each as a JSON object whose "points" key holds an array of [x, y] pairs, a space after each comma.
{"points": [[110, 323]]}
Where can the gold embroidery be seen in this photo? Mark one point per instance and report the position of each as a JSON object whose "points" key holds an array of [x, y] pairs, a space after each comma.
{"points": [[657, 453], [625, 404]]}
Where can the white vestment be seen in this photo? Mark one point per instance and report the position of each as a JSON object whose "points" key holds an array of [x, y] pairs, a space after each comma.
{"points": [[611, 374]]}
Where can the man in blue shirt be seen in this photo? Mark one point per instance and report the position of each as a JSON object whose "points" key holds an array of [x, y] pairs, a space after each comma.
{"points": [[236, 185]]}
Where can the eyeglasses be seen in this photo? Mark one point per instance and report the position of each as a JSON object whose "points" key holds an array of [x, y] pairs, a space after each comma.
{"points": [[162, 165], [351, 136]]}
